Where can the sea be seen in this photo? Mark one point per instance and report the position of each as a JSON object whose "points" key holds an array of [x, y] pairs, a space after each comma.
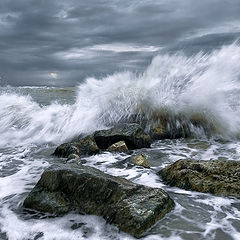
{"points": [[34, 120]]}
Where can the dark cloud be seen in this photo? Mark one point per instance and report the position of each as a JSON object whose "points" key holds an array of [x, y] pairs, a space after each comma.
{"points": [[74, 39]]}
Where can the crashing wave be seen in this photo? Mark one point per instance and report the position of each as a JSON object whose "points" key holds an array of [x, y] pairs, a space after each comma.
{"points": [[188, 95]]}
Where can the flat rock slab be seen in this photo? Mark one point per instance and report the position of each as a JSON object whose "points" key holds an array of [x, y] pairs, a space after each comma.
{"points": [[131, 133], [131, 207], [213, 176]]}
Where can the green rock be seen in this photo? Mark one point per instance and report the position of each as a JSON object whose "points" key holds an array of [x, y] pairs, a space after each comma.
{"points": [[131, 207], [213, 176]]}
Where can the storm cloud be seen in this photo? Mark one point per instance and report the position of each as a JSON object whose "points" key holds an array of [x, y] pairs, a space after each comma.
{"points": [[51, 42]]}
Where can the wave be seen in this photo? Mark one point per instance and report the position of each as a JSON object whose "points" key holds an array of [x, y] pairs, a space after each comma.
{"points": [[177, 89]]}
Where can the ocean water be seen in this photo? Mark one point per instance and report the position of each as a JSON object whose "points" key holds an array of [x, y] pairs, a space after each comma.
{"points": [[34, 120]]}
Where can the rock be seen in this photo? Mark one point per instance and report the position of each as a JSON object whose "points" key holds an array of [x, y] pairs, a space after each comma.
{"points": [[169, 129], [165, 124], [210, 124], [170, 125], [131, 207], [140, 160], [131, 133], [84, 146], [213, 176], [118, 147], [160, 132], [66, 149], [77, 225], [73, 156]]}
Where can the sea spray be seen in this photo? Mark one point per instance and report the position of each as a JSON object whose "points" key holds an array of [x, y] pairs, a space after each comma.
{"points": [[174, 88]]}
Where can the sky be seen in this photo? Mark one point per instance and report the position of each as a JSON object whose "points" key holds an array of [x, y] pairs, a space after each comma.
{"points": [[60, 43]]}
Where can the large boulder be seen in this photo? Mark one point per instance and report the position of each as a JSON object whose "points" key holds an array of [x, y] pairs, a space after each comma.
{"points": [[131, 207], [213, 176], [131, 133], [84, 146]]}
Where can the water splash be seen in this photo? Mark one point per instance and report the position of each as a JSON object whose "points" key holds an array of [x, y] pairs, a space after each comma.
{"points": [[174, 88]]}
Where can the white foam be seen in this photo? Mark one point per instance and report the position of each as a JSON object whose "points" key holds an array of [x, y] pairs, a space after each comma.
{"points": [[16, 183], [58, 228]]}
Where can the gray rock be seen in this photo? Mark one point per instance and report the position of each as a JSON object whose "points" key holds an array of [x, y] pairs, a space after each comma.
{"points": [[131, 133], [84, 146], [118, 147], [140, 160], [213, 176], [73, 157], [131, 207]]}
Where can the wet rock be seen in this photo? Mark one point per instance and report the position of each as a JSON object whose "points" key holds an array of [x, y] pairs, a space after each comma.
{"points": [[213, 176], [118, 147], [171, 129], [160, 132], [131, 133], [66, 149], [169, 125], [84, 146], [140, 160], [73, 157], [77, 225], [165, 124], [131, 207]]}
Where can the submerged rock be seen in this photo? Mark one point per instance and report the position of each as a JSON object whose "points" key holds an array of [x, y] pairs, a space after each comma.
{"points": [[213, 176], [84, 146], [131, 207], [131, 133], [118, 147], [140, 160]]}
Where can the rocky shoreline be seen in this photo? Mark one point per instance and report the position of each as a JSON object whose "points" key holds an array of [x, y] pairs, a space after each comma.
{"points": [[131, 207]]}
